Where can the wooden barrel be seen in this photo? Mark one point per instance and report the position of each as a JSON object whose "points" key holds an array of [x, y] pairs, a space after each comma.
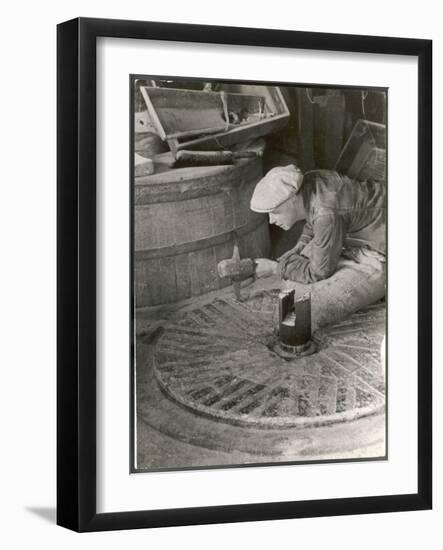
{"points": [[186, 221]]}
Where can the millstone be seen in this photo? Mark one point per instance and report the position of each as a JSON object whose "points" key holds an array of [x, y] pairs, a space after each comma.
{"points": [[218, 360]]}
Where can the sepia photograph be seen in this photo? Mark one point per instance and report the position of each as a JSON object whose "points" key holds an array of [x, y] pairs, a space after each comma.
{"points": [[258, 273]]}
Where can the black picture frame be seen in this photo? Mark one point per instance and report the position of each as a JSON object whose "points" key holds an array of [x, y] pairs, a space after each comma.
{"points": [[76, 278]]}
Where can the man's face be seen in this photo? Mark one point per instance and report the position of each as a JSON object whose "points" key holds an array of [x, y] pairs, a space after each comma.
{"points": [[288, 213]]}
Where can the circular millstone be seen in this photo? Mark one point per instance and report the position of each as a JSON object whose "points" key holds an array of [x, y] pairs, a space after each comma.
{"points": [[218, 360]]}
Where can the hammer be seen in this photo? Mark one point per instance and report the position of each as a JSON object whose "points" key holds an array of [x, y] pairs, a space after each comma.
{"points": [[237, 269]]}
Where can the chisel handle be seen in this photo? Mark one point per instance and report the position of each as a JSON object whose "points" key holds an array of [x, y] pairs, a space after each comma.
{"points": [[186, 157]]}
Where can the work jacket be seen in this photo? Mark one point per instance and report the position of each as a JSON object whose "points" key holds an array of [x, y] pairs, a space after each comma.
{"points": [[341, 213]]}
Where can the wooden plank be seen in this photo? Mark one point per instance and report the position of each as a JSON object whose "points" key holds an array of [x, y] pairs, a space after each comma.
{"points": [[167, 283], [305, 130], [146, 281], [328, 128], [197, 214], [364, 132], [194, 273], [144, 227], [360, 159], [375, 166], [183, 277], [334, 135], [207, 267], [223, 252], [195, 245], [222, 213], [238, 134], [182, 114]]}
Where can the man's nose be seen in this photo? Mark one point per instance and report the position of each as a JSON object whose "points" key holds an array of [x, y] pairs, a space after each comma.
{"points": [[271, 218]]}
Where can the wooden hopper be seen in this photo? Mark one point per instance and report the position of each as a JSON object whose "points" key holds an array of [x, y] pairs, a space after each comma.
{"points": [[207, 120]]}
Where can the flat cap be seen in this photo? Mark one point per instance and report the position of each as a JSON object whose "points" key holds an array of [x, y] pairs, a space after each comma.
{"points": [[276, 187]]}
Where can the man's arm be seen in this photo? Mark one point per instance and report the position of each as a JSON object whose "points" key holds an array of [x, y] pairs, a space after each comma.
{"points": [[307, 235], [303, 240], [324, 252]]}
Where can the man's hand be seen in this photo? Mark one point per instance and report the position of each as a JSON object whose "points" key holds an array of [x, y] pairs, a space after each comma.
{"points": [[265, 267]]}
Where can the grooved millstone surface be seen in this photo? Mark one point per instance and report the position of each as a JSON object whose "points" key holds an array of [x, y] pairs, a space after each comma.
{"points": [[217, 360]]}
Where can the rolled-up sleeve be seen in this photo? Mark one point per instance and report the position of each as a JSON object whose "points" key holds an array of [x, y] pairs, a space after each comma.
{"points": [[323, 252]]}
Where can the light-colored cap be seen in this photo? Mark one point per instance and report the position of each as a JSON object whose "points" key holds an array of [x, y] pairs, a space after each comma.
{"points": [[279, 185]]}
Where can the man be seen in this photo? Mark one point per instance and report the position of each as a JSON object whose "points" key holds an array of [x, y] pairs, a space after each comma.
{"points": [[345, 219], [340, 257]]}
